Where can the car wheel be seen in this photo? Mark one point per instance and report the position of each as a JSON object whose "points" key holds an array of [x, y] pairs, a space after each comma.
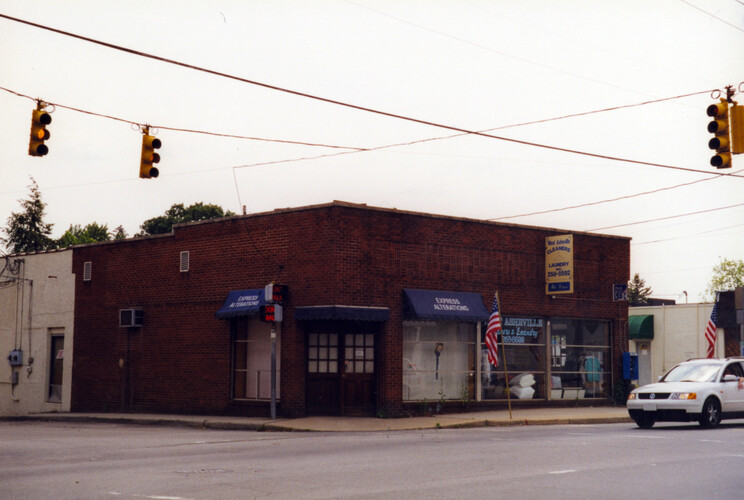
{"points": [[645, 420], [711, 415]]}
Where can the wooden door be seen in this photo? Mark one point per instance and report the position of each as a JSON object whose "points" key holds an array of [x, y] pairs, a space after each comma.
{"points": [[341, 376], [359, 382]]}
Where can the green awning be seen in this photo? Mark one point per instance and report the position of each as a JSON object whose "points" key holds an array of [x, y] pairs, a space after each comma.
{"points": [[641, 327]]}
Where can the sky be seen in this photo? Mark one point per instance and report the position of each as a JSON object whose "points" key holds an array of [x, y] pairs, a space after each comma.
{"points": [[596, 112]]}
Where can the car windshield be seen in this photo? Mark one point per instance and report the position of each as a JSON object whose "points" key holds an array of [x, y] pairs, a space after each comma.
{"points": [[692, 372]]}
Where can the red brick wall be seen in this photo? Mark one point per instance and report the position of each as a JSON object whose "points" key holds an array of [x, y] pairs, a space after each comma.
{"points": [[179, 361]]}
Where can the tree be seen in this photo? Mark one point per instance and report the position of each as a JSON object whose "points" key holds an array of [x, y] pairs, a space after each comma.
{"points": [[727, 275], [638, 292], [178, 214], [26, 230], [120, 233], [78, 235]]}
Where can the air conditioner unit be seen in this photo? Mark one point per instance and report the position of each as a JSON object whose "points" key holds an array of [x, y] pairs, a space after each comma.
{"points": [[131, 317]]}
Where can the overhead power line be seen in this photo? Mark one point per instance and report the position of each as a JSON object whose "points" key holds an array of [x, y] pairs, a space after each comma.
{"points": [[589, 204], [203, 132], [668, 217], [344, 104], [713, 16]]}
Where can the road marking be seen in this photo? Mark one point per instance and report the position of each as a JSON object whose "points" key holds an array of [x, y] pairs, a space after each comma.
{"points": [[152, 497], [567, 471]]}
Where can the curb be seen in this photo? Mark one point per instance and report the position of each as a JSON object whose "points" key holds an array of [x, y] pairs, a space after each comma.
{"points": [[283, 426]]}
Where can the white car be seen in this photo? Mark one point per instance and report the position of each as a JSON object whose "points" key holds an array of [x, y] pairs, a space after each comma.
{"points": [[706, 390]]}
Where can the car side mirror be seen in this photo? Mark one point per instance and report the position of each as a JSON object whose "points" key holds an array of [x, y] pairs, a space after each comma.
{"points": [[730, 378]]}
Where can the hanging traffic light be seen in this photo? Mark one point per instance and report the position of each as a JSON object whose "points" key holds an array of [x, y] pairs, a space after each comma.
{"points": [[720, 128], [149, 156], [736, 124], [39, 133]]}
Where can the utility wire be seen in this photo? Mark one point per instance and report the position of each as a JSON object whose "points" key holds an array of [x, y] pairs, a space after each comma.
{"points": [[653, 191], [358, 150], [350, 148], [667, 218], [685, 236], [711, 15], [203, 132], [345, 104]]}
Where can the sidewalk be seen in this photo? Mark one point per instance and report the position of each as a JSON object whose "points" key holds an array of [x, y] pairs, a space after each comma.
{"points": [[533, 416]]}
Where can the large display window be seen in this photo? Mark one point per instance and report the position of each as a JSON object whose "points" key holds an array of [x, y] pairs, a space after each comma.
{"points": [[438, 360], [522, 355], [556, 358], [579, 358], [251, 360]]}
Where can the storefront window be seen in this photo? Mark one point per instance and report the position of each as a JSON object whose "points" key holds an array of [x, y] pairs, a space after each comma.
{"points": [[579, 358], [522, 355], [251, 373], [438, 360]]}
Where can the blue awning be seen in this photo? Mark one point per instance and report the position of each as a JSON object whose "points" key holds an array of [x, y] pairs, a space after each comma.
{"points": [[241, 303], [339, 312], [466, 307]]}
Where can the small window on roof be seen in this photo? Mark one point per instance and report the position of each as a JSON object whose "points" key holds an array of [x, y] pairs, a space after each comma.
{"points": [[184, 262]]}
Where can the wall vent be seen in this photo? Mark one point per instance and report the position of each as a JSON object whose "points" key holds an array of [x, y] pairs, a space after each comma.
{"points": [[87, 271], [184, 262]]}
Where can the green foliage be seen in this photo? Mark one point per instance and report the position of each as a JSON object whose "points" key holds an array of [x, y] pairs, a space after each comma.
{"points": [[77, 235], [178, 214], [26, 230], [638, 292], [727, 275], [120, 233]]}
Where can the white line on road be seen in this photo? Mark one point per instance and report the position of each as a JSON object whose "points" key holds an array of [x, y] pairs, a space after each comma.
{"points": [[567, 471]]}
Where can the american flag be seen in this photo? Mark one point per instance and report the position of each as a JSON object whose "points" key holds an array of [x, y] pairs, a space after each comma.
{"points": [[710, 331], [492, 332]]}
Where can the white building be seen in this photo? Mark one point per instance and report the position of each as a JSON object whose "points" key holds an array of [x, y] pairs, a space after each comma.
{"points": [[37, 299], [665, 335]]}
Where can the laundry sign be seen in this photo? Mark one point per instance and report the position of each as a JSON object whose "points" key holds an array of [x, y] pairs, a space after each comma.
{"points": [[559, 265]]}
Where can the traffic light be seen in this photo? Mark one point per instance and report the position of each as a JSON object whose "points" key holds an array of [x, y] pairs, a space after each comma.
{"points": [[720, 128], [149, 156], [736, 123], [39, 133]]}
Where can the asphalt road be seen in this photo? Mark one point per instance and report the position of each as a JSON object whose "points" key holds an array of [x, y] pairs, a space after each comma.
{"points": [[610, 461]]}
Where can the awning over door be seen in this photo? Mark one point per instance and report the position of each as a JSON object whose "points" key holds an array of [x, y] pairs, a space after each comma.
{"points": [[641, 327], [340, 312], [241, 303], [438, 305]]}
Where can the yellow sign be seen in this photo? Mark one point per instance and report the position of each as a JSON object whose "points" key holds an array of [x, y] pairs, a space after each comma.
{"points": [[559, 265]]}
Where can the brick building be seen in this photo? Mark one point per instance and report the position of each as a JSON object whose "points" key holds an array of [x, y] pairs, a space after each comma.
{"points": [[385, 315]]}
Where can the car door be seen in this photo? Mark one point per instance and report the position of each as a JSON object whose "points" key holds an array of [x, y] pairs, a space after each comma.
{"points": [[732, 394]]}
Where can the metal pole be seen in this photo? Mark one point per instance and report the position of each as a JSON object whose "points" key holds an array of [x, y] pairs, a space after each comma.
{"points": [[273, 371], [503, 357]]}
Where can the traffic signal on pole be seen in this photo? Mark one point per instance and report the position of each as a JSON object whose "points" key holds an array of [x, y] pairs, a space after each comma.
{"points": [[736, 124], [720, 128], [39, 133], [149, 156]]}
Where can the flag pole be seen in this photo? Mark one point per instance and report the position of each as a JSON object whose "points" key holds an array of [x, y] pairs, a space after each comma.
{"points": [[503, 357]]}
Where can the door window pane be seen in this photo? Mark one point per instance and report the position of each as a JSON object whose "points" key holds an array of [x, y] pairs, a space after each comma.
{"points": [[321, 358], [55, 368]]}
